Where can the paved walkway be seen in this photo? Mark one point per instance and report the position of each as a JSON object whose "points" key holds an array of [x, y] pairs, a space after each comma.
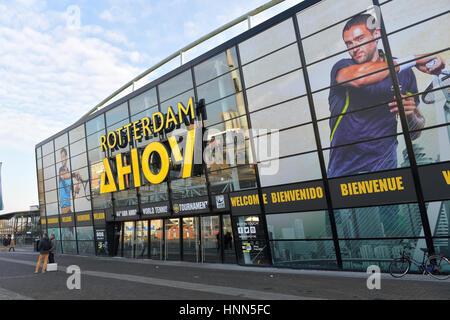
{"points": [[119, 278]]}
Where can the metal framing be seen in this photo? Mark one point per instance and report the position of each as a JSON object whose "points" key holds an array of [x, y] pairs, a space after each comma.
{"points": [[288, 14]]}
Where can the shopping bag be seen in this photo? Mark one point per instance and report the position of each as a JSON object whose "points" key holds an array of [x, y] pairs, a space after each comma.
{"points": [[52, 267]]}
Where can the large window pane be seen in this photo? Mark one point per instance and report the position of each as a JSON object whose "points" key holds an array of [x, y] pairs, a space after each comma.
{"points": [[116, 114], [273, 65], [95, 124], [284, 143], [287, 114], [143, 101], [432, 145], [369, 156], [76, 134], [216, 66], [402, 13], [229, 180], [61, 141], [93, 141], [188, 188], [48, 160], [358, 255], [154, 193], [439, 218], [299, 225], [225, 109], [267, 41], [341, 130], [275, 91], [220, 87], [326, 13], [175, 85], [288, 170], [379, 222], [47, 148], [78, 147], [183, 98], [304, 254]]}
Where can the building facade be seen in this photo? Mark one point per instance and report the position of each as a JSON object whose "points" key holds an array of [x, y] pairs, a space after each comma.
{"points": [[324, 143]]}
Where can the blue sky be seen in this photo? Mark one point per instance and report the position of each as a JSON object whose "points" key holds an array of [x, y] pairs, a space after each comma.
{"points": [[54, 70]]}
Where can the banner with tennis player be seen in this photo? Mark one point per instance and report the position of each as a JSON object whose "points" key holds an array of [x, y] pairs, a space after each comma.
{"points": [[359, 123]]}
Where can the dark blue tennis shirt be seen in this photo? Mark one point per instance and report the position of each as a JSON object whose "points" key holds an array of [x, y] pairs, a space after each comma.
{"points": [[368, 124]]}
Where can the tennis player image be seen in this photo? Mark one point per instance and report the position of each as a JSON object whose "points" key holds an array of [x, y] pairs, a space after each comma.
{"points": [[65, 184], [350, 93]]}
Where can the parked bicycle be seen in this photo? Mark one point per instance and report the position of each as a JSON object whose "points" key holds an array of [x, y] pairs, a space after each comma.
{"points": [[436, 265]]}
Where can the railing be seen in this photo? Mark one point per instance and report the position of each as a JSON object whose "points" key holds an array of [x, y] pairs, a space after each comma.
{"points": [[248, 16]]}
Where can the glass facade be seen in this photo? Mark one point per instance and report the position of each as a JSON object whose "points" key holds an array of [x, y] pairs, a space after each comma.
{"points": [[326, 145]]}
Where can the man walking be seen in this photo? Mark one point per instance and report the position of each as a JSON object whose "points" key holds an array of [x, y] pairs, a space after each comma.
{"points": [[52, 251], [44, 247], [12, 244]]}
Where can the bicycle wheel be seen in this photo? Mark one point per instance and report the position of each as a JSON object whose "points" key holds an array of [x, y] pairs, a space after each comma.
{"points": [[399, 267], [438, 267]]}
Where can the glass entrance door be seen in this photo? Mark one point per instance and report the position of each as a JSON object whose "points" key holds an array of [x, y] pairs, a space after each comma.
{"points": [[156, 239], [191, 241], [141, 239], [172, 239], [211, 239], [128, 239], [229, 255]]}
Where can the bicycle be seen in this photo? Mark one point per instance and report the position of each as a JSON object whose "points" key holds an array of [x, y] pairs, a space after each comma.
{"points": [[436, 265]]}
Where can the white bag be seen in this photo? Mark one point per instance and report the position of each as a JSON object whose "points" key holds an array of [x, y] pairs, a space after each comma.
{"points": [[52, 267]]}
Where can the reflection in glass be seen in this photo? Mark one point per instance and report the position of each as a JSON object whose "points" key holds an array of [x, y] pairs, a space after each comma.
{"points": [[439, 218], [95, 124], [216, 66], [304, 254], [172, 239], [360, 254], [191, 241], [235, 179], [143, 101], [125, 198], [211, 241], [188, 187], [379, 222], [228, 241], [224, 109], [128, 239], [141, 239], [117, 114], [93, 141], [154, 193], [220, 87], [156, 239], [299, 225], [175, 85]]}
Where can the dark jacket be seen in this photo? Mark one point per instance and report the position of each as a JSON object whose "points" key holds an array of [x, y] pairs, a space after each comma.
{"points": [[44, 245], [5, 242], [53, 244]]}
